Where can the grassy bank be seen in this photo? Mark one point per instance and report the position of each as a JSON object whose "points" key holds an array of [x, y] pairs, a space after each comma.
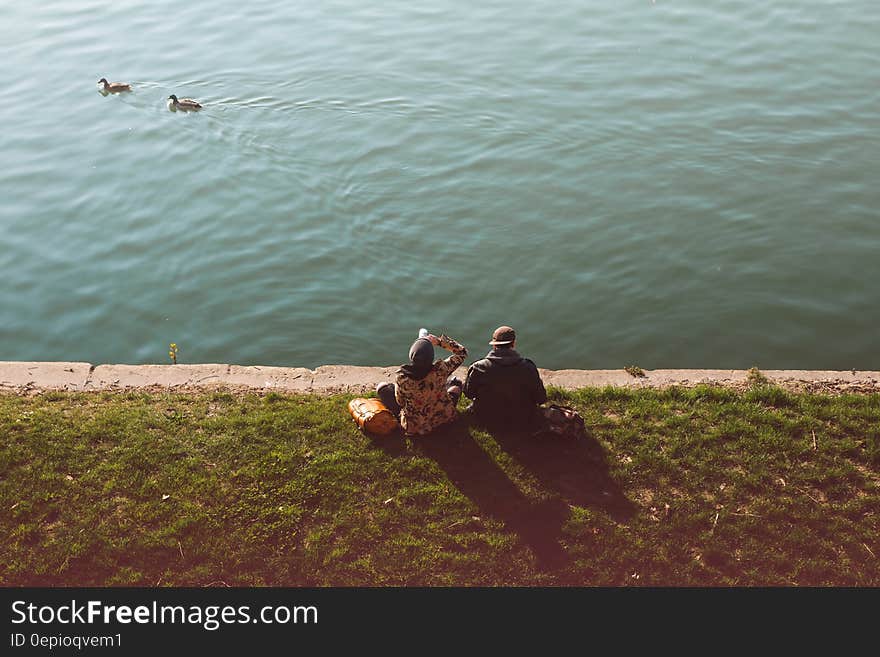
{"points": [[703, 486]]}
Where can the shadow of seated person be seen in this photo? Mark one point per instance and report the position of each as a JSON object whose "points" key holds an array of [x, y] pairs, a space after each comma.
{"points": [[575, 468], [476, 475]]}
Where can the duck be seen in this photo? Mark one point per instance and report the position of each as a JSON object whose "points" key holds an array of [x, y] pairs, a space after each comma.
{"points": [[114, 87], [185, 104]]}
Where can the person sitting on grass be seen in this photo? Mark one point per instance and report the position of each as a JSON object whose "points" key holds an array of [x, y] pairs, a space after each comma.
{"points": [[425, 393], [506, 388]]}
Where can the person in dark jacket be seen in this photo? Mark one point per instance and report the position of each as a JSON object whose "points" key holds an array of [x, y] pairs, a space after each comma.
{"points": [[506, 388]]}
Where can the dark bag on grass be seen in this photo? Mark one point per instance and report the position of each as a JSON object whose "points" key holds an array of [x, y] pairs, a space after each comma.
{"points": [[562, 422]]}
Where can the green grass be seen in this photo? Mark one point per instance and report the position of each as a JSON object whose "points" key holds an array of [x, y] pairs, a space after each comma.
{"points": [[681, 487]]}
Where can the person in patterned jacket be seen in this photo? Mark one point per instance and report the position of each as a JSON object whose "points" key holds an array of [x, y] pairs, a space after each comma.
{"points": [[425, 393]]}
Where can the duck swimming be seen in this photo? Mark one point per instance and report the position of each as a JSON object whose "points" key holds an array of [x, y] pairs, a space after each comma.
{"points": [[185, 104], [114, 87]]}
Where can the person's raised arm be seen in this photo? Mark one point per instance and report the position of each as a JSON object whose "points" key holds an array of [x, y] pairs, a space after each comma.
{"points": [[459, 352]]}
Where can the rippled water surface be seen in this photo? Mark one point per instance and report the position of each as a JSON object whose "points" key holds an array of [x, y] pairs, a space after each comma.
{"points": [[668, 184]]}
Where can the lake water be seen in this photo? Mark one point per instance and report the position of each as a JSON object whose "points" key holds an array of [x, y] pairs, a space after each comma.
{"points": [[666, 184]]}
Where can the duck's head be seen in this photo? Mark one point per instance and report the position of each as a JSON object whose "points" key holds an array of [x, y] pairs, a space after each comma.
{"points": [[103, 81], [172, 98]]}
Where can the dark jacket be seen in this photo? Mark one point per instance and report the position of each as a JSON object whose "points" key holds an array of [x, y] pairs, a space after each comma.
{"points": [[506, 388]]}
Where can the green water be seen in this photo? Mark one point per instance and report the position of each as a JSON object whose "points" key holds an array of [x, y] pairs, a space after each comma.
{"points": [[666, 184]]}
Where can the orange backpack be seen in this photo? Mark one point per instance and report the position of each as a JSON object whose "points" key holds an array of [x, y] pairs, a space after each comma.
{"points": [[372, 416]]}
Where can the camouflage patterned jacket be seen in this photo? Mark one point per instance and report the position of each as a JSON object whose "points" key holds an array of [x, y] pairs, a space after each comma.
{"points": [[425, 404]]}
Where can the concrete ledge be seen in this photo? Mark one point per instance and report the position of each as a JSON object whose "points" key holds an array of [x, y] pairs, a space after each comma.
{"points": [[36, 376], [846, 380], [46, 376], [108, 377], [294, 379], [350, 378]]}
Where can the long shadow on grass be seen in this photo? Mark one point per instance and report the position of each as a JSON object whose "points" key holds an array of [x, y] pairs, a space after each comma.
{"points": [[478, 477], [576, 469]]}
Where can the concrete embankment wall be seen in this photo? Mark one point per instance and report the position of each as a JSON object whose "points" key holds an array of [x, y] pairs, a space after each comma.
{"points": [[35, 376]]}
